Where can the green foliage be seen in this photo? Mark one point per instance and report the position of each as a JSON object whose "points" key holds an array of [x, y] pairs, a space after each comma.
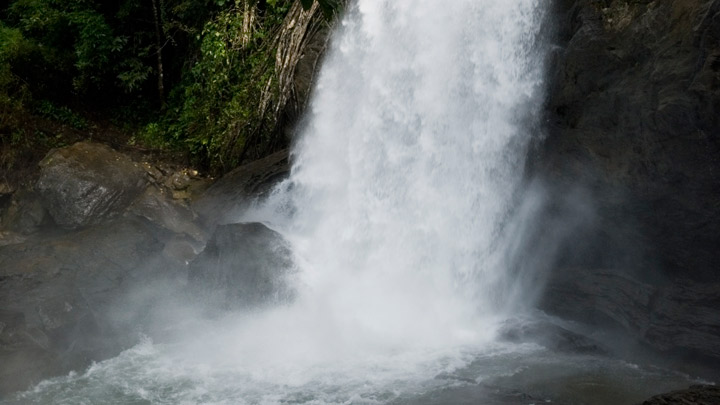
{"points": [[61, 114], [74, 39], [12, 90], [91, 47], [105, 58], [329, 7], [134, 74], [152, 136], [215, 108]]}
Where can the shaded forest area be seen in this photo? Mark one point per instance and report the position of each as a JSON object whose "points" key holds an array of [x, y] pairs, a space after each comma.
{"points": [[205, 81]]}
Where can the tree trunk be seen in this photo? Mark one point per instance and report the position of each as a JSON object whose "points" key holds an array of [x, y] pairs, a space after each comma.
{"points": [[157, 11]]}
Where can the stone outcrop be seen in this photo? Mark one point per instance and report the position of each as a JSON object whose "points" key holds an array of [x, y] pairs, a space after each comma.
{"points": [[95, 227], [243, 265], [86, 183], [155, 206], [679, 319], [633, 119], [695, 395], [633, 109], [54, 294], [230, 195], [89, 254], [25, 213]]}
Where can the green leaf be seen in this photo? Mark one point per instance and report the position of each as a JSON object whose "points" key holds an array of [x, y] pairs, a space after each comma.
{"points": [[306, 4]]}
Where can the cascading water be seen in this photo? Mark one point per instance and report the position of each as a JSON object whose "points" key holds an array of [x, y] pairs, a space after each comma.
{"points": [[397, 210], [407, 169]]}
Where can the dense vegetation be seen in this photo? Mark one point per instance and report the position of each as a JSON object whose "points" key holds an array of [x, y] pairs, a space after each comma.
{"points": [[177, 75]]}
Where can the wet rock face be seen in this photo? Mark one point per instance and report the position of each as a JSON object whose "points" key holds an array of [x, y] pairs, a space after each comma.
{"points": [[56, 291], [86, 183], [64, 290], [633, 119], [678, 319], [223, 201], [81, 291], [243, 265], [633, 112], [549, 335], [25, 213]]}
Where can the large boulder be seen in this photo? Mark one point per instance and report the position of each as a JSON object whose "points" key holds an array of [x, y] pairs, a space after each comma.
{"points": [[86, 183], [243, 265], [56, 291], [226, 199], [157, 206]]}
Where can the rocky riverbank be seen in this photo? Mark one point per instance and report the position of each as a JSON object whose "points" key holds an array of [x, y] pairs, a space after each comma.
{"points": [[96, 226]]}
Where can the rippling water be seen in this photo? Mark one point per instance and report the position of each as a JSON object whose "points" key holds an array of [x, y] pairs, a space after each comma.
{"points": [[494, 374]]}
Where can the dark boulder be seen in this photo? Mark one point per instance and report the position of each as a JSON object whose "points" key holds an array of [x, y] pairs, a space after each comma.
{"points": [[86, 183], [695, 395], [56, 292], [157, 206], [231, 194], [243, 265], [25, 213]]}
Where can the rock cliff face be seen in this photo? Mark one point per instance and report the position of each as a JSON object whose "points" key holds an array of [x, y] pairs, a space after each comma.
{"points": [[633, 117]]}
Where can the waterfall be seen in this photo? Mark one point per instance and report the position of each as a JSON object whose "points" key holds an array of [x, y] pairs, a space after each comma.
{"points": [[399, 212], [407, 168], [406, 215]]}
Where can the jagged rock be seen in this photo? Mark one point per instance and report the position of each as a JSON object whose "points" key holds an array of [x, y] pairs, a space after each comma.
{"points": [[181, 251], [10, 238], [86, 183], [695, 395], [224, 200], [5, 188], [244, 265], [161, 209], [25, 213]]}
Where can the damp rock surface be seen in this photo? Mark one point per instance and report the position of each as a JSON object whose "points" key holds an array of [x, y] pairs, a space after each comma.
{"points": [[233, 192], [632, 109], [243, 265], [86, 183], [695, 395], [56, 291], [633, 117]]}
